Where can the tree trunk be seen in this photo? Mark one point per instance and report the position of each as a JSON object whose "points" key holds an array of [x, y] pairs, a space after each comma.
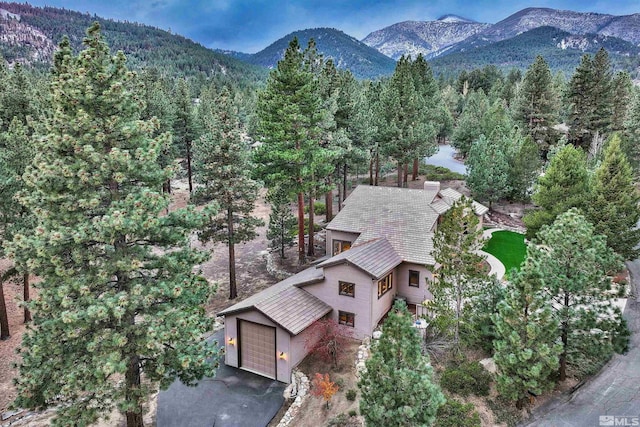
{"points": [[233, 289], [283, 235], [377, 168], [405, 175], [189, 172], [311, 250], [301, 257], [340, 198], [416, 169], [344, 180], [4, 319], [371, 171], [565, 340], [132, 378], [400, 172], [328, 202], [25, 294]]}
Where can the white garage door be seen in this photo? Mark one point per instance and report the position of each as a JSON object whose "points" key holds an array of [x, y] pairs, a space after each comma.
{"points": [[258, 348]]}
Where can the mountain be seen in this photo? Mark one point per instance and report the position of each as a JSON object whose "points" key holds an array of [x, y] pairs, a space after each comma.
{"points": [[30, 35], [561, 49], [346, 52], [429, 38]]}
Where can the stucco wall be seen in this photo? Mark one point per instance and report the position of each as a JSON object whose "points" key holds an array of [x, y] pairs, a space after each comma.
{"points": [[283, 342], [414, 295], [383, 304], [359, 304], [339, 235]]}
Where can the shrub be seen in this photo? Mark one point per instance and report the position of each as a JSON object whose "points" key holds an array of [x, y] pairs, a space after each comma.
{"points": [[343, 420], [319, 208], [439, 173], [294, 228], [351, 395], [456, 414], [466, 378], [353, 413], [340, 383]]}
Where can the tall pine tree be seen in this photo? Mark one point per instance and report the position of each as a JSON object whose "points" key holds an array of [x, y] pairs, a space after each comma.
{"points": [[222, 170], [119, 297], [613, 209], [565, 185], [397, 387], [526, 343], [574, 265]]}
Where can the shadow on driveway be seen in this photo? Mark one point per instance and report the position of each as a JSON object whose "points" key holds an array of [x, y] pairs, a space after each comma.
{"points": [[232, 398]]}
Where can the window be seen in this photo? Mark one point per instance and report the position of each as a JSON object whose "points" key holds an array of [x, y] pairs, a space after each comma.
{"points": [[346, 318], [346, 288], [414, 278], [340, 246], [385, 285]]}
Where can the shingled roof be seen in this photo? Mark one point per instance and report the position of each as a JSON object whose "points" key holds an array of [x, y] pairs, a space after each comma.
{"points": [[287, 305], [375, 257], [404, 217]]}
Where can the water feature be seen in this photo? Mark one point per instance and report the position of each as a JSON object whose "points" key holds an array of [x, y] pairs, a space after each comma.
{"points": [[445, 157]]}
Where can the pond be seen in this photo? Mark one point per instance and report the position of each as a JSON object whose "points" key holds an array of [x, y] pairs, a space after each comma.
{"points": [[444, 157]]}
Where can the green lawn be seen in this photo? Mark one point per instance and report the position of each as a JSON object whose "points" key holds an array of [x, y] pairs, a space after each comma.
{"points": [[508, 247]]}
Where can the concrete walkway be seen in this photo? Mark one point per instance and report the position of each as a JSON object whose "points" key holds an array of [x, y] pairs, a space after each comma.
{"points": [[497, 267], [232, 398], [614, 393]]}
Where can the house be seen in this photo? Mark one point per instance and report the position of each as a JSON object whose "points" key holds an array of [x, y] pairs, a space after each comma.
{"points": [[379, 248]]}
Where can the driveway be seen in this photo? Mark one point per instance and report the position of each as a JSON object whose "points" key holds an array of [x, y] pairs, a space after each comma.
{"points": [[232, 398], [615, 391]]}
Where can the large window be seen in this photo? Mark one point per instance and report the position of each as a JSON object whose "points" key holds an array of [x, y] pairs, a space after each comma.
{"points": [[346, 318], [346, 288], [414, 278], [385, 284], [340, 246]]}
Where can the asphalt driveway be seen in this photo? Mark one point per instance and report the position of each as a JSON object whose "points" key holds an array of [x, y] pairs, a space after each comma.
{"points": [[233, 398], [614, 394]]}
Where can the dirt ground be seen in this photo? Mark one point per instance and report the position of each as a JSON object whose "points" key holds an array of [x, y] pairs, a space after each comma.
{"points": [[313, 412]]}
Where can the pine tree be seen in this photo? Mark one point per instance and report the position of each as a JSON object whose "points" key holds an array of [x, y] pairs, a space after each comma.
{"points": [[526, 343], [397, 387], [524, 167], [565, 185], [574, 264], [289, 127], [184, 126], [282, 223], [536, 106], [622, 93], [16, 153], [118, 296], [613, 209], [455, 243], [590, 97], [488, 170], [470, 123], [222, 170], [631, 134]]}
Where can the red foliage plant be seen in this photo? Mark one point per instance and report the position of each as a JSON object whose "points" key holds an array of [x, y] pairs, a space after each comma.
{"points": [[328, 340]]}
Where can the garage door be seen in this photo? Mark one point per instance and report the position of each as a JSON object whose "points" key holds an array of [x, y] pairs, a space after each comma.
{"points": [[258, 348]]}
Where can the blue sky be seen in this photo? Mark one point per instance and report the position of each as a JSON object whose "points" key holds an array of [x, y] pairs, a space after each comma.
{"points": [[251, 25]]}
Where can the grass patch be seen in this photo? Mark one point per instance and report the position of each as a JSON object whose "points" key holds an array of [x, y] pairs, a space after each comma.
{"points": [[508, 247]]}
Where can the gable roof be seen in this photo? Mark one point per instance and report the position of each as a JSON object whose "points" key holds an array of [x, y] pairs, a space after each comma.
{"points": [[404, 217], [450, 196], [374, 257], [287, 305]]}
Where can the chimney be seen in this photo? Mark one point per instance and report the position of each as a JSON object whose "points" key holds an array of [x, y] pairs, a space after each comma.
{"points": [[432, 186]]}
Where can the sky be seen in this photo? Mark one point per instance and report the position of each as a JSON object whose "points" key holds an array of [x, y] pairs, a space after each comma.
{"points": [[251, 25]]}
